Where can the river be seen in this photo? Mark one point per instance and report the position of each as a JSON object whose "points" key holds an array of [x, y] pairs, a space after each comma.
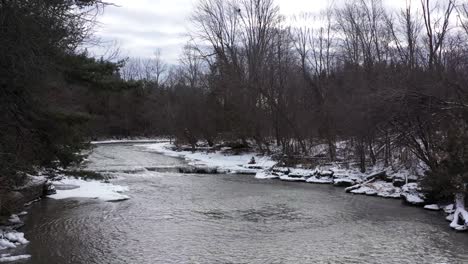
{"points": [[186, 218]]}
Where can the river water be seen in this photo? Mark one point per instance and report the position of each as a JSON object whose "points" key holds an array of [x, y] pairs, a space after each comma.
{"points": [[184, 218]]}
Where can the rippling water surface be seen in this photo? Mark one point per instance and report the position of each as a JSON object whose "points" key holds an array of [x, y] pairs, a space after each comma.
{"points": [[176, 218]]}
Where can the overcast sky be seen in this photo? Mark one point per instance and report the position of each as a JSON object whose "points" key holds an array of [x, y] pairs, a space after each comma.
{"points": [[139, 27]]}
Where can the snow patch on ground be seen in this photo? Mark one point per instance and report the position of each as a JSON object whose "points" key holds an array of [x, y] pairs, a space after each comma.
{"points": [[89, 189], [228, 163]]}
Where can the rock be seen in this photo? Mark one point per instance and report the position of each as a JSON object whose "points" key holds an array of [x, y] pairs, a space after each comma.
{"points": [[344, 182], [284, 170], [381, 175], [412, 199], [49, 188], [14, 219], [295, 178], [449, 209], [398, 182], [326, 173], [199, 170], [450, 217], [320, 180]]}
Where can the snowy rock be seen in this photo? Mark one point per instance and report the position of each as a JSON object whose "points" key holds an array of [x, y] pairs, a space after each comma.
{"points": [[344, 182], [365, 190], [412, 194], [262, 175], [294, 178], [327, 173], [14, 219], [320, 180], [10, 258], [412, 198], [283, 170], [398, 182], [16, 237], [432, 207], [449, 209], [450, 217], [49, 188], [11, 239], [461, 228]]}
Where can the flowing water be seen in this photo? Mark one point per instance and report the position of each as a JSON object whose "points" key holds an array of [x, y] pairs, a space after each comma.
{"points": [[184, 218]]}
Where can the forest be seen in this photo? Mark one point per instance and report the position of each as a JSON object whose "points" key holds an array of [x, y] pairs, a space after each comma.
{"points": [[385, 85]]}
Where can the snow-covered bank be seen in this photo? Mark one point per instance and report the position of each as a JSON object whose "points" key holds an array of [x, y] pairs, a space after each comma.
{"points": [[11, 239], [216, 159], [69, 187], [130, 141]]}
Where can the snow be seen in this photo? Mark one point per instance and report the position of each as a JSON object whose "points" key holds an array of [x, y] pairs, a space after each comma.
{"points": [[229, 163], [379, 188], [130, 141], [413, 198], [449, 209], [460, 215], [16, 237], [262, 175], [344, 181], [10, 258], [90, 189], [11, 239], [432, 207], [321, 180], [292, 178]]}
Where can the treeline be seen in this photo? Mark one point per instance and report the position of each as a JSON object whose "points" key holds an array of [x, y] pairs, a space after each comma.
{"points": [[387, 83], [382, 83]]}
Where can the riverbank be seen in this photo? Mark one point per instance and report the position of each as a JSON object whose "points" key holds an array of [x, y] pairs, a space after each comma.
{"points": [[386, 182], [15, 201]]}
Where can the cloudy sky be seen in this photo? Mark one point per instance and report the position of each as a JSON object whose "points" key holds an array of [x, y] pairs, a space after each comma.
{"points": [[140, 27]]}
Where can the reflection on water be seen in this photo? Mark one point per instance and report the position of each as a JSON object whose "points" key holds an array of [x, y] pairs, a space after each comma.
{"points": [[175, 218]]}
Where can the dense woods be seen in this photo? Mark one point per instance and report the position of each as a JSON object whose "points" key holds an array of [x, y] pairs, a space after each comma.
{"points": [[385, 85]]}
